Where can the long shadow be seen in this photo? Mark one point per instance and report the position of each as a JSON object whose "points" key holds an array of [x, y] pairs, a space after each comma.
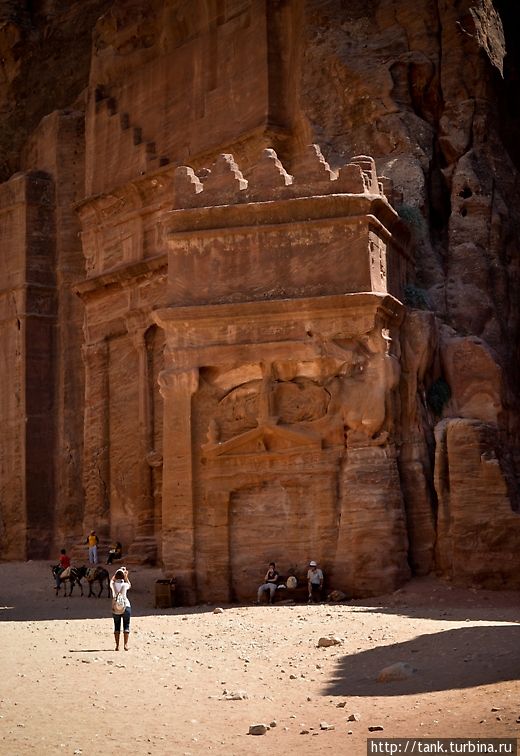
{"points": [[430, 598], [27, 593], [477, 613], [82, 608], [459, 658]]}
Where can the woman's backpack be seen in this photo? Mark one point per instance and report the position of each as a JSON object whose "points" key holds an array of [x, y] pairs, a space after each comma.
{"points": [[118, 603]]}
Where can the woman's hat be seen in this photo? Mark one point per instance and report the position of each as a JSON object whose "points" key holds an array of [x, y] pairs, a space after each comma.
{"points": [[312, 564]]}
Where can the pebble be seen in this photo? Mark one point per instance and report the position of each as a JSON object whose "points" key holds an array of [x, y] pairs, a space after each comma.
{"points": [[239, 695], [329, 641], [354, 717], [376, 728], [258, 729], [326, 726], [218, 610], [395, 672]]}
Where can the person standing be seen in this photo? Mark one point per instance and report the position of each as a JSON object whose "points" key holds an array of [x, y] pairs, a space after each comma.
{"points": [[120, 584], [270, 583], [92, 541], [314, 582]]}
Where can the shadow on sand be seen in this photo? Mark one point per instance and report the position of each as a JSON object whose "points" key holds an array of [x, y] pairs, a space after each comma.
{"points": [[452, 659]]}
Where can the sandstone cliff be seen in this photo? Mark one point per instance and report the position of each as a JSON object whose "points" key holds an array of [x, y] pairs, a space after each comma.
{"points": [[102, 100]]}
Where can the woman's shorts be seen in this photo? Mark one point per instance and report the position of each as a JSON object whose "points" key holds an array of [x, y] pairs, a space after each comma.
{"points": [[126, 621]]}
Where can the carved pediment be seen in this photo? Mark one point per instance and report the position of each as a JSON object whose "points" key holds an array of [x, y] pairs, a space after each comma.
{"points": [[264, 439]]}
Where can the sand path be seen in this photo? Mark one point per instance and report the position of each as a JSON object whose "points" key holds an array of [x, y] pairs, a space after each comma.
{"points": [[64, 690]]}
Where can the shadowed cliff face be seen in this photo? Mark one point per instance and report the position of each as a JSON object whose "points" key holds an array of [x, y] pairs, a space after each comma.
{"points": [[45, 51], [509, 104], [430, 90]]}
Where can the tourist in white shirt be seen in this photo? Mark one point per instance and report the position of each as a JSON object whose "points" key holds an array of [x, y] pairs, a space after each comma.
{"points": [[120, 583]]}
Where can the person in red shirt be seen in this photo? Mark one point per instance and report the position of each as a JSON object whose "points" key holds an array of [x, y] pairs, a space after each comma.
{"points": [[64, 563]]}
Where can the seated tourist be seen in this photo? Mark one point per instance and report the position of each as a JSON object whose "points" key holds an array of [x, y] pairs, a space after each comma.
{"points": [[270, 583], [115, 552]]}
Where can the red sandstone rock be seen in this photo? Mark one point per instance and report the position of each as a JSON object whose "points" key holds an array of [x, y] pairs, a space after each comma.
{"points": [[289, 392], [478, 528]]}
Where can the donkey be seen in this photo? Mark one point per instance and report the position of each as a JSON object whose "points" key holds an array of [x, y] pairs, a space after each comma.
{"points": [[73, 576], [95, 575]]}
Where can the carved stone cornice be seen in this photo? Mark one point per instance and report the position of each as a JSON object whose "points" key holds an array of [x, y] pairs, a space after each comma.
{"points": [[347, 208], [270, 313], [123, 276], [299, 329], [142, 193]]}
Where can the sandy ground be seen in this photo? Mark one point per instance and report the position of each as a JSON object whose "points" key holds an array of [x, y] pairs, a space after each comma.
{"points": [[64, 689]]}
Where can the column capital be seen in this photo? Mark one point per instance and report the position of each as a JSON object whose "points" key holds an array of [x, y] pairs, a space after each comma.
{"points": [[96, 349], [138, 320], [138, 338], [178, 381]]}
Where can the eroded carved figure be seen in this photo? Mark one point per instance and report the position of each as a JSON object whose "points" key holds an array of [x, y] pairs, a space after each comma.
{"points": [[345, 392]]}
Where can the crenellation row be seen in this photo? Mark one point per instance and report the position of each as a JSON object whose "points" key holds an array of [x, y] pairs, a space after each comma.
{"points": [[311, 175]]}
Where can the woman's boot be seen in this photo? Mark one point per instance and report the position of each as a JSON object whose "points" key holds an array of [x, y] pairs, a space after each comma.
{"points": [[116, 636], [125, 636]]}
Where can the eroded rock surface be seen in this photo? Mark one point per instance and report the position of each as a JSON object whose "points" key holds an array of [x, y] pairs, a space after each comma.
{"points": [[167, 159]]}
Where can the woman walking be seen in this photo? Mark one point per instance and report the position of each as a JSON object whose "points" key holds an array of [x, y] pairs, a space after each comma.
{"points": [[120, 585]]}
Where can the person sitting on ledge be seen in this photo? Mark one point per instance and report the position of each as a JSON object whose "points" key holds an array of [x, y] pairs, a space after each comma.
{"points": [[115, 552], [270, 583]]}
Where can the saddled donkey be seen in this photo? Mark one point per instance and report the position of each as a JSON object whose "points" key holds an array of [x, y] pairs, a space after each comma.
{"points": [[71, 575], [96, 575]]}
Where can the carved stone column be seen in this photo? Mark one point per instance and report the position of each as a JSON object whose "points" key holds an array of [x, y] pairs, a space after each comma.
{"points": [[96, 465], [178, 522], [144, 548]]}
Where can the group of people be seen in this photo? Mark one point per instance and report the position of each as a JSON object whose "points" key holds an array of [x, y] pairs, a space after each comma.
{"points": [[272, 578], [119, 583], [115, 551]]}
